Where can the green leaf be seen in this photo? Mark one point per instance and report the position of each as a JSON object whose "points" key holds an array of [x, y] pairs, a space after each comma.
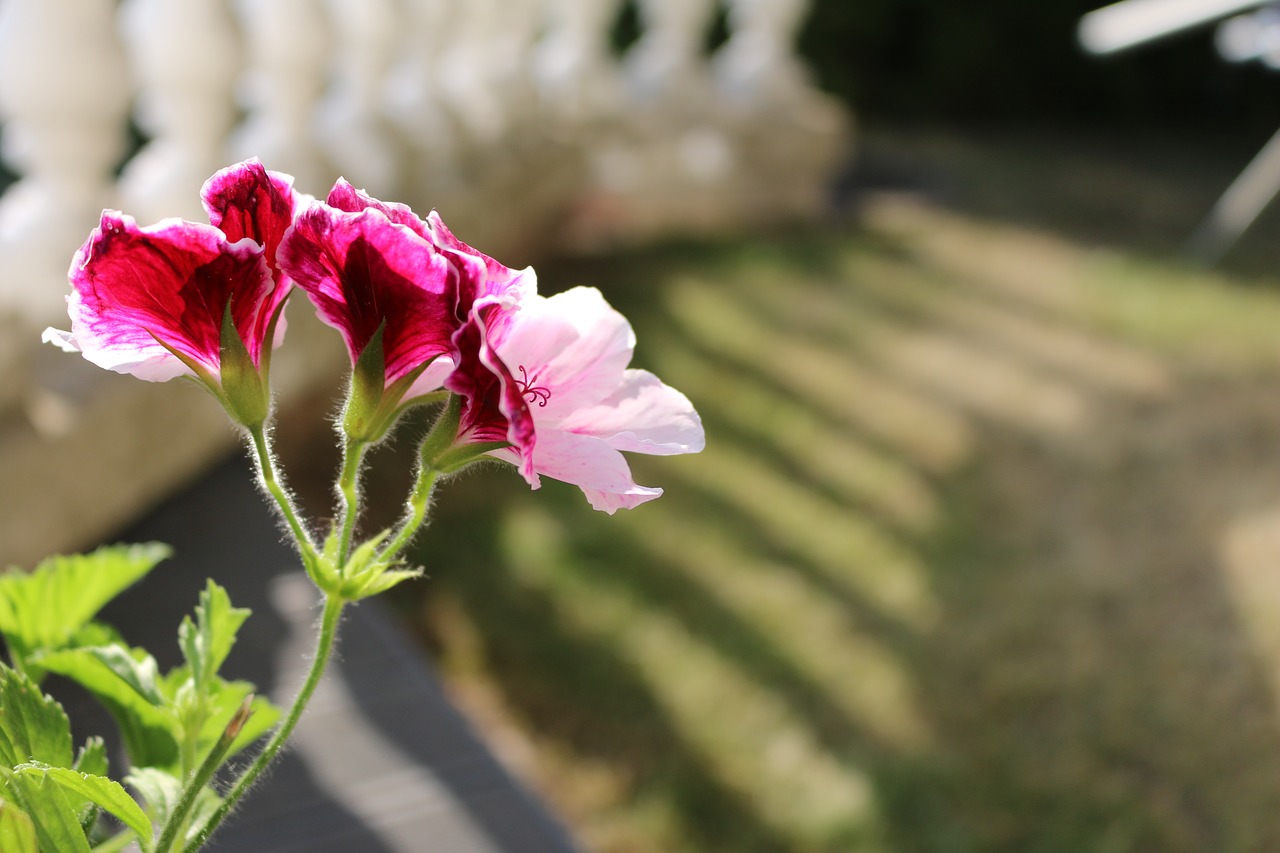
{"points": [[32, 725], [17, 833], [159, 790], [45, 609], [224, 706], [92, 757], [107, 793], [148, 728], [207, 641], [53, 815]]}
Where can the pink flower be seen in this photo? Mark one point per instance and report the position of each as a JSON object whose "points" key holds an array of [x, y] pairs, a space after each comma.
{"points": [[150, 301], [563, 361]]}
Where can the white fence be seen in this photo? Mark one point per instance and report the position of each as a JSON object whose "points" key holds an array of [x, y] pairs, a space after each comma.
{"points": [[514, 118]]}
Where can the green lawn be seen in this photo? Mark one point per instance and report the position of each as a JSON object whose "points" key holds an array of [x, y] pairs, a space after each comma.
{"points": [[983, 555]]}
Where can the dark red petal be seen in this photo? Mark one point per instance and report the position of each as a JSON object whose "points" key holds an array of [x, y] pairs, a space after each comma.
{"points": [[171, 281], [361, 270], [245, 200]]}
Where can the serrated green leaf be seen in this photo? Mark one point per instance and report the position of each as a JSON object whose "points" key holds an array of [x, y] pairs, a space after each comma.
{"points": [[207, 641], [45, 608], [147, 727], [92, 758], [32, 724], [53, 814], [107, 793], [223, 706], [17, 833], [159, 790]]}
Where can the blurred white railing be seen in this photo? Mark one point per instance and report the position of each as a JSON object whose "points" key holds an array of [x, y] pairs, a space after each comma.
{"points": [[514, 118], [507, 115]]}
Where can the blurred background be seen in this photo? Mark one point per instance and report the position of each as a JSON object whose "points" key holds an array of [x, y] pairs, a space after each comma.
{"points": [[984, 550]]}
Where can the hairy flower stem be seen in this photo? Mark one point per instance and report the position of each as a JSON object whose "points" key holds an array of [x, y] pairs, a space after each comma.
{"points": [[324, 650], [415, 510], [267, 474], [349, 492]]}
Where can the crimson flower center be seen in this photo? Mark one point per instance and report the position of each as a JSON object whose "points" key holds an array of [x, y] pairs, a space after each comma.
{"points": [[535, 393]]}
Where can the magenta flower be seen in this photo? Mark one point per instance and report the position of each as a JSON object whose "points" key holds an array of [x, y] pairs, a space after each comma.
{"points": [[368, 266], [374, 268], [561, 363], [150, 301]]}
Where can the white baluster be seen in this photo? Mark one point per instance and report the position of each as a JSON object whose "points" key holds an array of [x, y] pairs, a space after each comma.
{"points": [[185, 56], [789, 136], [575, 72], [668, 64], [411, 97], [288, 45], [460, 82], [64, 92], [758, 64], [353, 130]]}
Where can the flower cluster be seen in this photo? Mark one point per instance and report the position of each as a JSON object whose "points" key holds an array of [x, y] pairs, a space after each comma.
{"points": [[540, 382]]}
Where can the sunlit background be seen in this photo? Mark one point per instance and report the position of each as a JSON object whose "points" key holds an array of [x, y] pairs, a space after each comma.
{"points": [[983, 553]]}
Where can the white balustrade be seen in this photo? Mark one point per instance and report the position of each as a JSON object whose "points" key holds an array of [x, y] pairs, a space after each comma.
{"points": [[287, 72], [512, 116], [64, 94], [353, 128], [185, 58]]}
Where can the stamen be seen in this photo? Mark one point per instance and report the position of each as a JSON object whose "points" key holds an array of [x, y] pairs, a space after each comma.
{"points": [[535, 393]]}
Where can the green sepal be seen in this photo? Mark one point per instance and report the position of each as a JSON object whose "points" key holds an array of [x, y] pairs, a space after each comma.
{"points": [[17, 832], [244, 391], [458, 457], [368, 573], [103, 792], [443, 433], [368, 385], [372, 406]]}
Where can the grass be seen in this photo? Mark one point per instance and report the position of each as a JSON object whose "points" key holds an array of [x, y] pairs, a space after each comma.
{"points": [[981, 556]]}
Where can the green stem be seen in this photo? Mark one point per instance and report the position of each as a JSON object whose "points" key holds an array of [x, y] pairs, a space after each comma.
{"points": [[198, 780], [415, 510], [349, 492], [324, 650], [267, 473]]}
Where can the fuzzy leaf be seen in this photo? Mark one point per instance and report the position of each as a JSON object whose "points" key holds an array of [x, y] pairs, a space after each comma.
{"points": [[45, 608], [17, 833], [224, 706], [92, 758], [107, 793], [207, 641], [53, 814], [33, 726], [146, 726], [159, 790]]}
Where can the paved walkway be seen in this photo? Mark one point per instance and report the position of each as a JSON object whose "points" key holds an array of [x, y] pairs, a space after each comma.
{"points": [[381, 762]]}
